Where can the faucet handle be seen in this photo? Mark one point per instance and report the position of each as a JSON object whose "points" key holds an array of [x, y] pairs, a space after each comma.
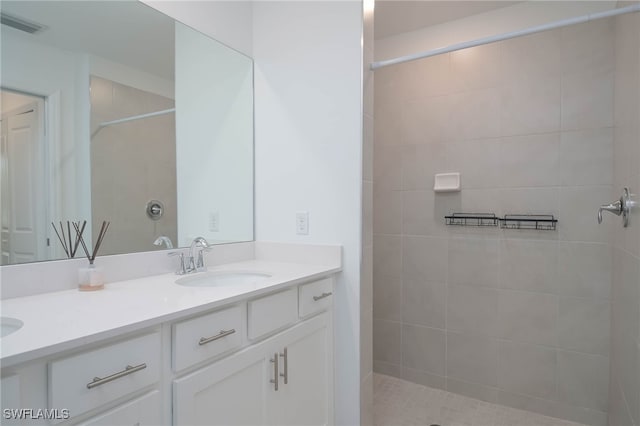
{"points": [[182, 269], [196, 261], [621, 207], [200, 266], [615, 208]]}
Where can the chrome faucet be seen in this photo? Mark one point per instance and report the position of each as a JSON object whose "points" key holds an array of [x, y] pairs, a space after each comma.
{"points": [[163, 239], [182, 267], [196, 260]]}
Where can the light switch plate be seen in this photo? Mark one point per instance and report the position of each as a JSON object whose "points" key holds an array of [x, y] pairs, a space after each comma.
{"points": [[302, 223], [214, 222]]}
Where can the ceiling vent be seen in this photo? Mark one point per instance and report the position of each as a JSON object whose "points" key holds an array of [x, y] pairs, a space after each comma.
{"points": [[20, 24]]}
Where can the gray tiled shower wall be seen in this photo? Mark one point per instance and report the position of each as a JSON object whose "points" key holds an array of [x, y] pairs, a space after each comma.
{"points": [[624, 401], [520, 318]]}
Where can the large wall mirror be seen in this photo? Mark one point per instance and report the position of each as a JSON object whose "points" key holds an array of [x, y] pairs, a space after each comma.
{"points": [[112, 111]]}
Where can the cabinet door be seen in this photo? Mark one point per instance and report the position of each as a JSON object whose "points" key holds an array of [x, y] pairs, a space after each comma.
{"points": [[144, 411], [10, 396], [229, 392], [307, 397]]}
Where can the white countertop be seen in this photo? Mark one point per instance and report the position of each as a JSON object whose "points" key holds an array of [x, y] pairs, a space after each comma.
{"points": [[63, 320]]}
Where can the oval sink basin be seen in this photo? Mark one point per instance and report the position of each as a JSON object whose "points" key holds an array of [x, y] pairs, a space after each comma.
{"points": [[9, 325], [222, 279]]}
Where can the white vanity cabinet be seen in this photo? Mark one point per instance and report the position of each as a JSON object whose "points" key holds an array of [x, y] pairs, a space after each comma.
{"points": [[242, 389], [263, 360], [306, 362]]}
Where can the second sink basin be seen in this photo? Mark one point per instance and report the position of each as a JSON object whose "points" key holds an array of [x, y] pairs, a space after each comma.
{"points": [[9, 325], [223, 279]]}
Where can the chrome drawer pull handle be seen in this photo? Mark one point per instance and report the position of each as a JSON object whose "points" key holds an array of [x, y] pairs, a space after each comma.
{"points": [[223, 333], [275, 371], [97, 381], [285, 375], [316, 298]]}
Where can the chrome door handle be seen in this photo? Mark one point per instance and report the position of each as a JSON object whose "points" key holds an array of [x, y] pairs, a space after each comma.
{"points": [[276, 376], [223, 333], [97, 381], [621, 207], [285, 375]]}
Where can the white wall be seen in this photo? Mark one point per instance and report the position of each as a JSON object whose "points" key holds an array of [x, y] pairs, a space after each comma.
{"points": [[45, 71], [308, 136], [229, 22], [123, 74], [366, 268], [214, 139], [308, 66]]}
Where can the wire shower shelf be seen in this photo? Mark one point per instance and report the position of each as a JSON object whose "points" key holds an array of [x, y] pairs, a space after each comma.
{"points": [[529, 221], [472, 219], [509, 221]]}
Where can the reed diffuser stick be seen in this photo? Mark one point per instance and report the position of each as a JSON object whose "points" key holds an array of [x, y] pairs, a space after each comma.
{"points": [[78, 235], [64, 245], [69, 233], [103, 230], [84, 245]]}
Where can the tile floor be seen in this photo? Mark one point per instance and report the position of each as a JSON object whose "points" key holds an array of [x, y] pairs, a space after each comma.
{"points": [[400, 403]]}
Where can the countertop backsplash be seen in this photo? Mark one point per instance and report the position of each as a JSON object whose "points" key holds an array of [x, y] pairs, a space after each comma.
{"points": [[45, 277]]}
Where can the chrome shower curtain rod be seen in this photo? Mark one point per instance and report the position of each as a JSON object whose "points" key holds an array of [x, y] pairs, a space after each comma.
{"points": [[506, 36], [137, 117], [132, 118]]}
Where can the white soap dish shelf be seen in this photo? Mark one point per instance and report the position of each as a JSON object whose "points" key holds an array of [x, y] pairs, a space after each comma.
{"points": [[446, 182]]}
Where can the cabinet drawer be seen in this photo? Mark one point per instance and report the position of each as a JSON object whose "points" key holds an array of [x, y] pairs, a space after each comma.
{"points": [[206, 336], [144, 411], [315, 297], [124, 367], [272, 312]]}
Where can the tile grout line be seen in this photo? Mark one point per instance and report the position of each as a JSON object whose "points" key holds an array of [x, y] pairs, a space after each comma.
{"points": [[402, 368]]}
